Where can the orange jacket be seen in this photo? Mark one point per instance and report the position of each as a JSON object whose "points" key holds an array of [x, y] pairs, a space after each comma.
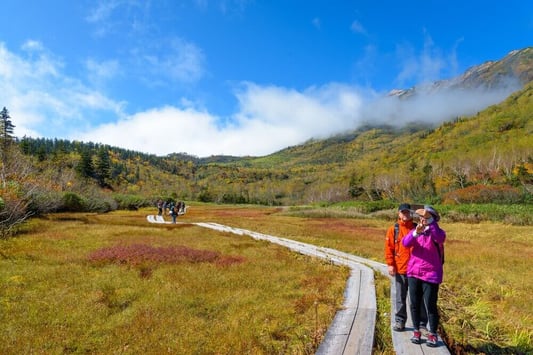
{"points": [[395, 253]]}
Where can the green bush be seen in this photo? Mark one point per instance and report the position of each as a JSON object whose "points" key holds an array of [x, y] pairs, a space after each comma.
{"points": [[516, 214], [43, 201], [368, 206], [100, 204], [73, 202], [131, 202]]}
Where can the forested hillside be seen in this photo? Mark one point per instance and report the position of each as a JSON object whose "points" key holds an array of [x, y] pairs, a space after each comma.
{"points": [[490, 149], [487, 157]]}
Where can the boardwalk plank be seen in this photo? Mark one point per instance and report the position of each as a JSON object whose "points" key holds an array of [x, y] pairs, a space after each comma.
{"points": [[352, 329]]}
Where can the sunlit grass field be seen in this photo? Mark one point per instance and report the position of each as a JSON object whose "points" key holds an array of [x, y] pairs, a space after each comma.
{"points": [[113, 283], [486, 297]]}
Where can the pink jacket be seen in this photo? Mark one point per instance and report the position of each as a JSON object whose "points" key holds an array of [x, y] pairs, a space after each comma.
{"points": [[425, 262]]}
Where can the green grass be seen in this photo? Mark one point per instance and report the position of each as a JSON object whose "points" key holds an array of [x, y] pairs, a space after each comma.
{"points": [[485, 299], [246, 296], [383, 340], [56, 298]]}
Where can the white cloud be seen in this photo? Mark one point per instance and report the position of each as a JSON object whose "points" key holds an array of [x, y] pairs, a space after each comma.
{"points": [[184, 61], [432, 108], [43, 101], [101, 71], [424, 67], [357, 27], [270, 118], [118, 16], [158, 131], [154, 58], [102, 11], [32, 45], [171, 61]]}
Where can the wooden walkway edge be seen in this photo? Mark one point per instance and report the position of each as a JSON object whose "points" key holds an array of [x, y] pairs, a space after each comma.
{"points": [[352, 329]]}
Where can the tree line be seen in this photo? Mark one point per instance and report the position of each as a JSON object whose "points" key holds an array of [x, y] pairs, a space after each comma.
{"points": [[450, 164]]}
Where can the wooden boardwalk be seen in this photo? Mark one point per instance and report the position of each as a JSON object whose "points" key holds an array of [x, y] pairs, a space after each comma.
{"points": [[352, 329]]}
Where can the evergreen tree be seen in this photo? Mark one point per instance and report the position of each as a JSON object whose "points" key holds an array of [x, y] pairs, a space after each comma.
{"points": [[25, 145], [6, 136], [103, 166], [6, 128], [85, 167]]}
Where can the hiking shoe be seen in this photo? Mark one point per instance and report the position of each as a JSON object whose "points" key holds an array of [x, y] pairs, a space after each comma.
{"points": [[415, 339], [399, 326], [432, 340]]}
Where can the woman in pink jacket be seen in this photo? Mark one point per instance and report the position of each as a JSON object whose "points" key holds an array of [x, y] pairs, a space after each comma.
{"points": [[424, 270]]}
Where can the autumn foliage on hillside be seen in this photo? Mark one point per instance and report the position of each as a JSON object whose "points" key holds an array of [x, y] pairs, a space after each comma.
{"points": [[484, 194], [479, 159]]}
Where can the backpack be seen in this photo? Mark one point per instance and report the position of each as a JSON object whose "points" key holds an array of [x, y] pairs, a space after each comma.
{"points": [[396, 231], [440, 250], [440, 247]]}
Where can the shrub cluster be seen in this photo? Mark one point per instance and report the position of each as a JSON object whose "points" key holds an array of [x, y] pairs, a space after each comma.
{"points": [[140, 254], [131, 202], [485, 194]]}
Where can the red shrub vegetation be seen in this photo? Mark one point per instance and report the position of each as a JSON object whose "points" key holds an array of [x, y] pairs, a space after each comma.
{"points": [[484, 194], [140, 254]]}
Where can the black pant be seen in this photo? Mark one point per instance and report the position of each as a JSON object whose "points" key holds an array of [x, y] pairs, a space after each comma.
{"points": [[423, 292], [402, 286]]}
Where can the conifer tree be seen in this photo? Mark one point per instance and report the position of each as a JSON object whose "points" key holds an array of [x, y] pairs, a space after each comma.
{"points": [[103, 166], [85, 167], [6, 136], [6, 129]]}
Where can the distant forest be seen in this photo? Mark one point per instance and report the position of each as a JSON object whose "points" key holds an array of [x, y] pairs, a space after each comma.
{"points": [[487, 158]]}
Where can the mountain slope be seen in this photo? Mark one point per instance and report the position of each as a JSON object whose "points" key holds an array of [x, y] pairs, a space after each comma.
{"points": [[417, 162], [512, 72], [486, 148]]}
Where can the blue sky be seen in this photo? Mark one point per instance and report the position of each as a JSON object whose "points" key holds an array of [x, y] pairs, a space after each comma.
{"points": [[240, 77]]}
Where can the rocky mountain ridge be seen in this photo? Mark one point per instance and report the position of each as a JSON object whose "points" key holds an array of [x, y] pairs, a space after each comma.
{"points": [[511, 72]]}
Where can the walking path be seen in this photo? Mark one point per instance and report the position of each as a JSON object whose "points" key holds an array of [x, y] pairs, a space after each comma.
{"points": [[352, 329]]}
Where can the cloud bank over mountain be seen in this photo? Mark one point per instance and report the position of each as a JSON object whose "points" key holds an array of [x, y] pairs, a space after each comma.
{"points": [[432, 107], [46, 101], [273, 118]]}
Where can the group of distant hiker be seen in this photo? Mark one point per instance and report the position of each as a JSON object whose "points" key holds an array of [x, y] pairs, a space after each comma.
{"points": [[414, 254], [171, 208]]}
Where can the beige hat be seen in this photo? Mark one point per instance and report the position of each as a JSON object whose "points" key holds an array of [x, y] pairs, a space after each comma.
{"points": [[428, 212], [423, 213]]}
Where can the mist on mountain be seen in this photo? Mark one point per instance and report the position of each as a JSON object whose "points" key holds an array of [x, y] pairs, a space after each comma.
{"points": [[431, 106]]}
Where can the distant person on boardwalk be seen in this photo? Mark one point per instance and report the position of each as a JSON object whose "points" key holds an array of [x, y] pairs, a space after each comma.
{"points": [[170, 206], [179, 208], [425, 270], [160, 207], [173, 212], [397, 257]]}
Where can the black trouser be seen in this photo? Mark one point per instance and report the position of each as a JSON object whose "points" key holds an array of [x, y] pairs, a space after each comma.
{"points": [[401, 301], [423, 292]]}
